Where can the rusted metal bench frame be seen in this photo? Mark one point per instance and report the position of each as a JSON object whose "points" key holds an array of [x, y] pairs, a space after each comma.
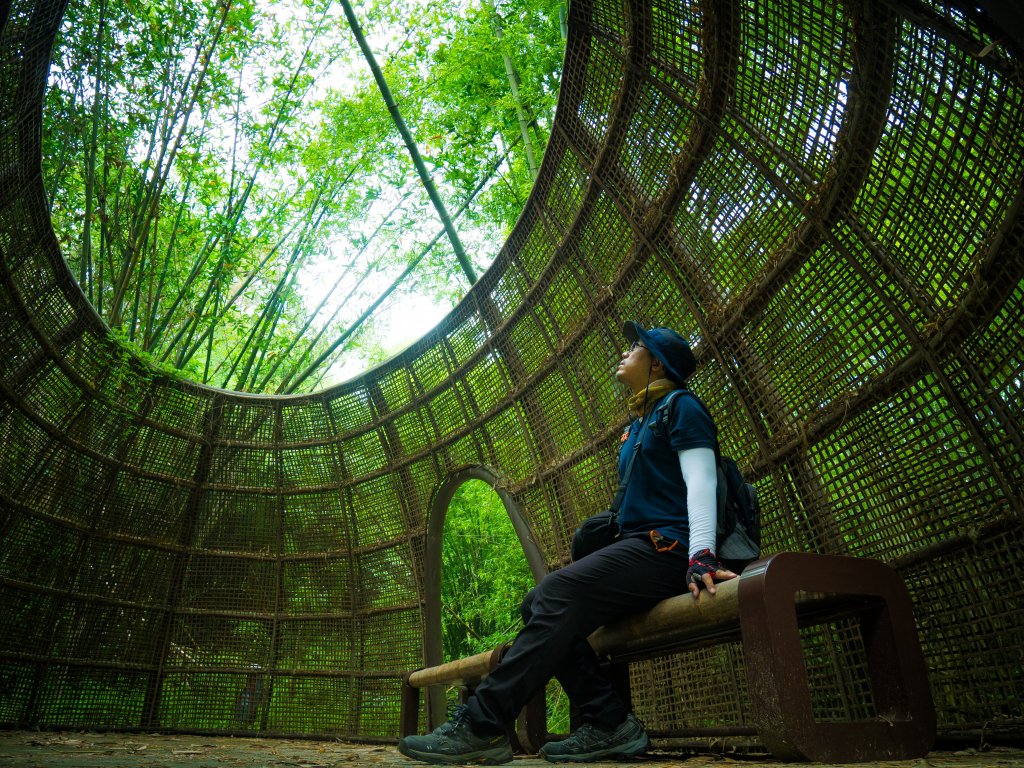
{"points": [[765, 607]]}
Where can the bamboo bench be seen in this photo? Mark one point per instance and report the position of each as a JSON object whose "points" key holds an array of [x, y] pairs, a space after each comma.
{"points": [[765, 608]]}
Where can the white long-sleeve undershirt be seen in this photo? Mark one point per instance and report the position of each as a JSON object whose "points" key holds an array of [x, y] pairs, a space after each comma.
{"points": [[701, 478]]}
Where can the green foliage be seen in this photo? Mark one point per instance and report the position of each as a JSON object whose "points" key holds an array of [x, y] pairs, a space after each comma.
{"points": [[484, 574], [232, 193]]}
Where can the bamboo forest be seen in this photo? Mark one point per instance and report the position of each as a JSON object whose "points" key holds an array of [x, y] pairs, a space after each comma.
{"points": [[247, 192]]}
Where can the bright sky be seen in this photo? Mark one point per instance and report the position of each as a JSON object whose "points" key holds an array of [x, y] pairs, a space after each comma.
{"points": [[406, 323]]}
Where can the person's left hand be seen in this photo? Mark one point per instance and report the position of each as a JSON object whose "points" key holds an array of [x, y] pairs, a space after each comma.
{"points": [[704, 571]]}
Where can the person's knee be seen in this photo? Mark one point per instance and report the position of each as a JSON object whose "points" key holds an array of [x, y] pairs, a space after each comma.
{"points": [[555, 593]]}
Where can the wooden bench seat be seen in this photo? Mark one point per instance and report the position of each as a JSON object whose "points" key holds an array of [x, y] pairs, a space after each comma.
{"points": [[765, 608]]}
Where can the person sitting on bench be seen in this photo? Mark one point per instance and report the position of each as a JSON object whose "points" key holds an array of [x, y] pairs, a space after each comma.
{"points": [[665, 539]]}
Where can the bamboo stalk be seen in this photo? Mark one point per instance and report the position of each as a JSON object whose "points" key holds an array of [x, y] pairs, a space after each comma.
{"points": [[410, 144]]}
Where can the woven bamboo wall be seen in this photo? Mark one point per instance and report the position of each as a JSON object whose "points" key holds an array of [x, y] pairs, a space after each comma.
{"points": [[833, 217]]}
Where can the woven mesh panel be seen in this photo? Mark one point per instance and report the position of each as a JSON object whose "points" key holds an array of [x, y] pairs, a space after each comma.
{"points": [[823, 196]]}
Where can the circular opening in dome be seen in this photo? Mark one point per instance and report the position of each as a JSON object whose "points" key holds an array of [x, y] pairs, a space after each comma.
{"points": [[271, 197]]}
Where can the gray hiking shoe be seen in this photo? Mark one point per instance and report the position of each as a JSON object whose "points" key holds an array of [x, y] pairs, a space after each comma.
{"points": [[589, 743], [455, 742]]}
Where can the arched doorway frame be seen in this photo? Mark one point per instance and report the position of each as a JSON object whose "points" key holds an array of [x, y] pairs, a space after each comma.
{"points": [[432, 650]]}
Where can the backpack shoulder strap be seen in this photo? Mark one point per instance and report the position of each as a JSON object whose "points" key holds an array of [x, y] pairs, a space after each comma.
{"points": [[665, 411], [665, 406]]}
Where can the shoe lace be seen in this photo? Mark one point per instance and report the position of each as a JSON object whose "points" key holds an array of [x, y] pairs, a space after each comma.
{"points": [[456, 714]]}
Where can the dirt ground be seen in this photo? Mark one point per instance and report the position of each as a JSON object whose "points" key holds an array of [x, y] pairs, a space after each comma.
{"points": [[26, 749]]}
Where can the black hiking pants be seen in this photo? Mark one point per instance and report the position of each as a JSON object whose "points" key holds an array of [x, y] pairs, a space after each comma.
{"points": [[626, 577]]}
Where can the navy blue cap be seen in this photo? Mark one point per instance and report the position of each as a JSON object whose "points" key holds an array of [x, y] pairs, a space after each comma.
{"points": [[666, 345]]}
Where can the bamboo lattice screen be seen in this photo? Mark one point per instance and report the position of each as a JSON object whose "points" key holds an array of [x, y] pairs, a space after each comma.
{"points": [[832, 217]]}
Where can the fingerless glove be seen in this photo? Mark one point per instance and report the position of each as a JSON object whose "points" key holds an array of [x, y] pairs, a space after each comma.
{"points": [[700, 563]]}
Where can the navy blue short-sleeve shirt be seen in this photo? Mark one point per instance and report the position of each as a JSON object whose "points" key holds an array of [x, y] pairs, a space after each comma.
{"points": [[655, 497]]}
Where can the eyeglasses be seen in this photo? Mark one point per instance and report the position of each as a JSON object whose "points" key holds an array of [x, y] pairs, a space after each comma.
{"points": [[636, 345]]}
